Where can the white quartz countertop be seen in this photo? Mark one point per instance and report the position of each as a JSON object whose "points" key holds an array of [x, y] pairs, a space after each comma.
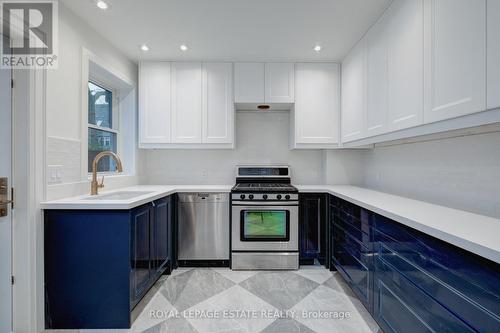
{"points": [[472, 232], [87, 202]]}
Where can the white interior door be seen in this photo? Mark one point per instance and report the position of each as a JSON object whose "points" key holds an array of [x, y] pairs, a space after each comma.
{"points": [[5, 221]]}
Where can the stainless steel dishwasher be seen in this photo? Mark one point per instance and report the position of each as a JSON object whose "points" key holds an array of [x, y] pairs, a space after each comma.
{"points": [[203, 229]]}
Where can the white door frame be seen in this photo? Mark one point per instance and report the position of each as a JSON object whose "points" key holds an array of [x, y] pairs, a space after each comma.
{"points": [[29, 147], [6, 221]]}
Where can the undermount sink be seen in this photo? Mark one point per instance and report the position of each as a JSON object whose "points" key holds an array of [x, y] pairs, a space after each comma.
{"points": [[124, 195]]}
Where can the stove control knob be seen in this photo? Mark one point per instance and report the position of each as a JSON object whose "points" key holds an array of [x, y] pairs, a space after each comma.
{"points": [[264, 197], [287, 197], [278, 197], [242, 197], [250, 197]]}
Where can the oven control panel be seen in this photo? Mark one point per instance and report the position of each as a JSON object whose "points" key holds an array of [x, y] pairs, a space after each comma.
{"points": [[265, 196]]}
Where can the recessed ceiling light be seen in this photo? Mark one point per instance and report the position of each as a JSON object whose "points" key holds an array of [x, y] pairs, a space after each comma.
{"points": [[183, 47], [317, 48], [102, 5], [144, 47]]}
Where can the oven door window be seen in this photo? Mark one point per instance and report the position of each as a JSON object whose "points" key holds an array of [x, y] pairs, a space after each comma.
{"points": [[265, 225]]}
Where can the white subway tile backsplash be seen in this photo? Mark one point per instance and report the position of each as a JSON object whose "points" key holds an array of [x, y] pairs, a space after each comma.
{"points": [[66, 155]]}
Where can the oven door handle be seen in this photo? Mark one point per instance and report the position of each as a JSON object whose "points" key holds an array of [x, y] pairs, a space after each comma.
{"points": [[265, 204]]}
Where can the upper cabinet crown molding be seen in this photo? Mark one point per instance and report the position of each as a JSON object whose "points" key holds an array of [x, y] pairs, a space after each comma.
{"points": [[455, 58], [493, 56]]}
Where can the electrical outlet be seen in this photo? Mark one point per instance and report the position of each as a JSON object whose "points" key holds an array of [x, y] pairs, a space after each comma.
{"points": [[54, 174]]}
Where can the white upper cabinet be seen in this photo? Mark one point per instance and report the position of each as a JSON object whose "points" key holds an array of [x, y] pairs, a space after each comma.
{"points": [[260, 83], [154, 102], [317, 103], [456, 58], [186, 102], [218, 106], [354, 93], [377, 83], [493, 54], [405, 64], [279, 84], [249, 81], [186, 105]]}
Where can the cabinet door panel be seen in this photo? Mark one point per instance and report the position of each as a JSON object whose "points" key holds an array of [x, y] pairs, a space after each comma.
{"points": [[377, 78], [218, 106], [154, 102], [249, 82], [310, 226], [186, 102], [279, 84], [141, 250], [493, 43], [317, 103], [457, 59], [353, 93], [405, 64], [161, 232]]}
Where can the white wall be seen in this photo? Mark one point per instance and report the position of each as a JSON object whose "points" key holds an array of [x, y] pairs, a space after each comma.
{"points": [[261, 138], [344, 167], [462, 172], [64, 100]]}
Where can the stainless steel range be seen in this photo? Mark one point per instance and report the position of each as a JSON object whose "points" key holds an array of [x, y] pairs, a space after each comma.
{"points": [[264, 224]]}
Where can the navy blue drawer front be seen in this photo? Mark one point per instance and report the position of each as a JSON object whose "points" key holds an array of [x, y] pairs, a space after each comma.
{"points": [[466, 284], [400, 306], [355, 267], [356, 222], [353, 215]]}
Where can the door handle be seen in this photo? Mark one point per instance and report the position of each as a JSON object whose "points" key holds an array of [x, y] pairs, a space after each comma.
{"points": [[4, 201]]}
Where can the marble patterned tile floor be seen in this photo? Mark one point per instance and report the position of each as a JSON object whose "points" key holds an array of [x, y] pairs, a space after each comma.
{"points": [[213, 300]]}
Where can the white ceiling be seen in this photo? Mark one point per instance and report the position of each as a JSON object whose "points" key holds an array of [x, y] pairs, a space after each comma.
{"points": [[232, 29]]}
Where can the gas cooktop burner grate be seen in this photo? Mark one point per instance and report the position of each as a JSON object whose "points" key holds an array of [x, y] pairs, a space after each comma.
{"points": [[268, 187]]}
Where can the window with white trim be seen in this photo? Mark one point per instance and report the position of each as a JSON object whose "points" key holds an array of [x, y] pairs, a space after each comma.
{"points": [[103, 123]]}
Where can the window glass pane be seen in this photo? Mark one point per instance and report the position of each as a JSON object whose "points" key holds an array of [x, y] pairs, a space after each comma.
{"points": [[100, 106], [101, 141], [264, 224]]}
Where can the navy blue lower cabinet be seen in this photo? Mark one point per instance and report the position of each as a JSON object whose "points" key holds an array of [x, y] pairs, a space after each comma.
{"points": [[410, 281], [352, 254], [444, 287], [99, 264], [313, 229], [142, 263], [162, 233]]}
